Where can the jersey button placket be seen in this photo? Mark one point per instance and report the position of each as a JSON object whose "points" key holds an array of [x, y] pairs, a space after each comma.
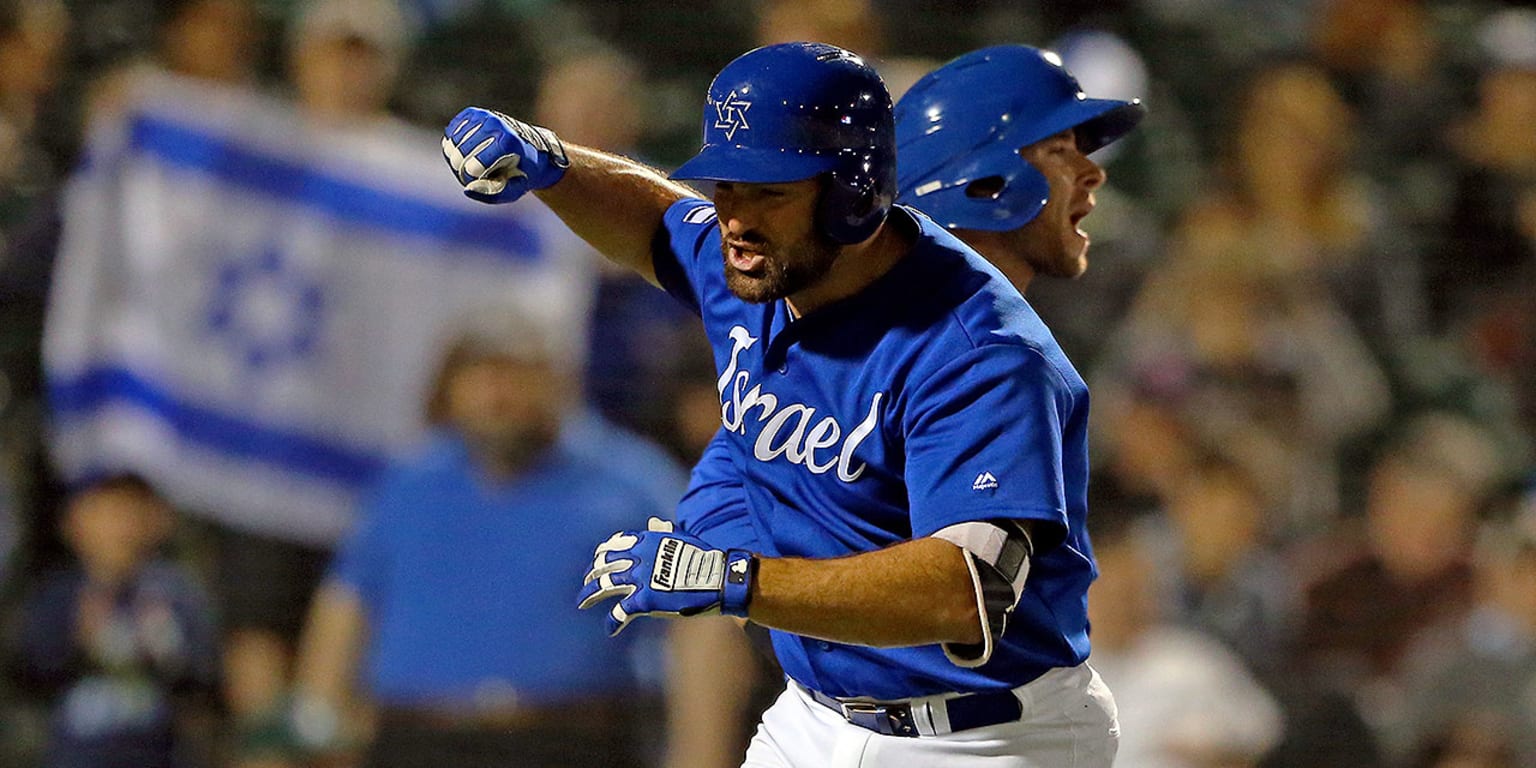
{"points": [[776, 357]]}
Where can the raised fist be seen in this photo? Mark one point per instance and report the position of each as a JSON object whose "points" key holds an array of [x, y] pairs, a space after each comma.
{"points": [[498, 159]]}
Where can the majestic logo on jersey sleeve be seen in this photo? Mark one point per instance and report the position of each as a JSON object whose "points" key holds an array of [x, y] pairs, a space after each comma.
{"points": [[699, 215], [791, 430], [984, 482], [731, 115]]}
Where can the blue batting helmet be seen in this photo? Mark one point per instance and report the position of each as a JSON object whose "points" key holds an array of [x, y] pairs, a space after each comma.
{"points": [[967, 120], [797, 111]]}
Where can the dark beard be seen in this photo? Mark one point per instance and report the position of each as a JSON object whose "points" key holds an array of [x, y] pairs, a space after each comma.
{"points": [[780, 277], [505, 453]]}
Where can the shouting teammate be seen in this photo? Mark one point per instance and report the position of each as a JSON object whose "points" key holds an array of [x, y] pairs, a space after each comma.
{"points": [[909, 438], [993, 146]]}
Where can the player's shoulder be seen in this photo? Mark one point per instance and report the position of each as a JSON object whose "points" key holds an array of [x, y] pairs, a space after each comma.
{"points": [[970, 299], [689, 212], [971, 311]]}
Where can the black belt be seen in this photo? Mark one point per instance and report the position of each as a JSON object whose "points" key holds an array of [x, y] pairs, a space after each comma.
{"points": [[894, 718]]}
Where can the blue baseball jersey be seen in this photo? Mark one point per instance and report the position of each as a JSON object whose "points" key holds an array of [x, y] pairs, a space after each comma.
{"points": [[715, 506], [932, 397]]}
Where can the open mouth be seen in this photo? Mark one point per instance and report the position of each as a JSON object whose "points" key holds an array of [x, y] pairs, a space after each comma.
{"points": [[1077, 216], [744, 259]]}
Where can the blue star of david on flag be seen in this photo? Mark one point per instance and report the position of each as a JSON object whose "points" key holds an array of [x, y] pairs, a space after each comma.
{"points": [[731, 115], [265, 310]]}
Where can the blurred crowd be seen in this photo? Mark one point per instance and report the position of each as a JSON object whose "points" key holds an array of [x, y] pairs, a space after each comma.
{"points": [[1309, 328]]}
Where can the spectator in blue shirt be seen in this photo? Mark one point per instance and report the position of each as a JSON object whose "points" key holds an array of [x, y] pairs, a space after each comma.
{"points": [[450, 604], [121, 642]]}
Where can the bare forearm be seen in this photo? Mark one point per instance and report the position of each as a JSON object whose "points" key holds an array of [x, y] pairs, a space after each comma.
{"points": [[332, 645], [710, 684], [615, 204], [914, 593]]}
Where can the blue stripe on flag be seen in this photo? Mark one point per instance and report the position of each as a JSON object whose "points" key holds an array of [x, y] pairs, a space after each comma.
{"points": [[210, 429], [229, 162]]}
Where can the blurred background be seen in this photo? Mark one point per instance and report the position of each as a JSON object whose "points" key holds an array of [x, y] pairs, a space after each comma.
{"points": [[247, 322]]}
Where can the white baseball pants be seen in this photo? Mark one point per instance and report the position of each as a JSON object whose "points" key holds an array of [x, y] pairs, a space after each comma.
{"points": [[1069, 721]]}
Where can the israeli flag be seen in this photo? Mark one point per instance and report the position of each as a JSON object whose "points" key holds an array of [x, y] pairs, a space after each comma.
{"points": [[249, 304]]}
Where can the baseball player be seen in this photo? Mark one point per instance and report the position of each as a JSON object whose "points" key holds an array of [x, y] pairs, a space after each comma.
{"points": [[980, 176], [971, 137], [910, 440]]}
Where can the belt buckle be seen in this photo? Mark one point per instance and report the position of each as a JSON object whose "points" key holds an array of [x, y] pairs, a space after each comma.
{"points": [[887, 719]]}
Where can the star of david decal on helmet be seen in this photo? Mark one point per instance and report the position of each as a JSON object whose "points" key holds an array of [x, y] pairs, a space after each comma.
{"points": [[731, 115]]}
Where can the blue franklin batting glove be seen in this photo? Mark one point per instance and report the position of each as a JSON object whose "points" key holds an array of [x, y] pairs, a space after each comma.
{"points": [[498, 159], [663, 572]]}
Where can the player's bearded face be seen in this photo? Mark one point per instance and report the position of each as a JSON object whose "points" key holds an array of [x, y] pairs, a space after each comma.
{"points": [[769, 241]]}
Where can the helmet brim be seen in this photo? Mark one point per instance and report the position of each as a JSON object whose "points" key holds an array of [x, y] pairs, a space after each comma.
{"points": [[752, 165], [1099, 122]]}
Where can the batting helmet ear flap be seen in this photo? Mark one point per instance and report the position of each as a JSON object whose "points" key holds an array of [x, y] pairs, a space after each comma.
{"points": [[850, 212], [993, 189]]}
